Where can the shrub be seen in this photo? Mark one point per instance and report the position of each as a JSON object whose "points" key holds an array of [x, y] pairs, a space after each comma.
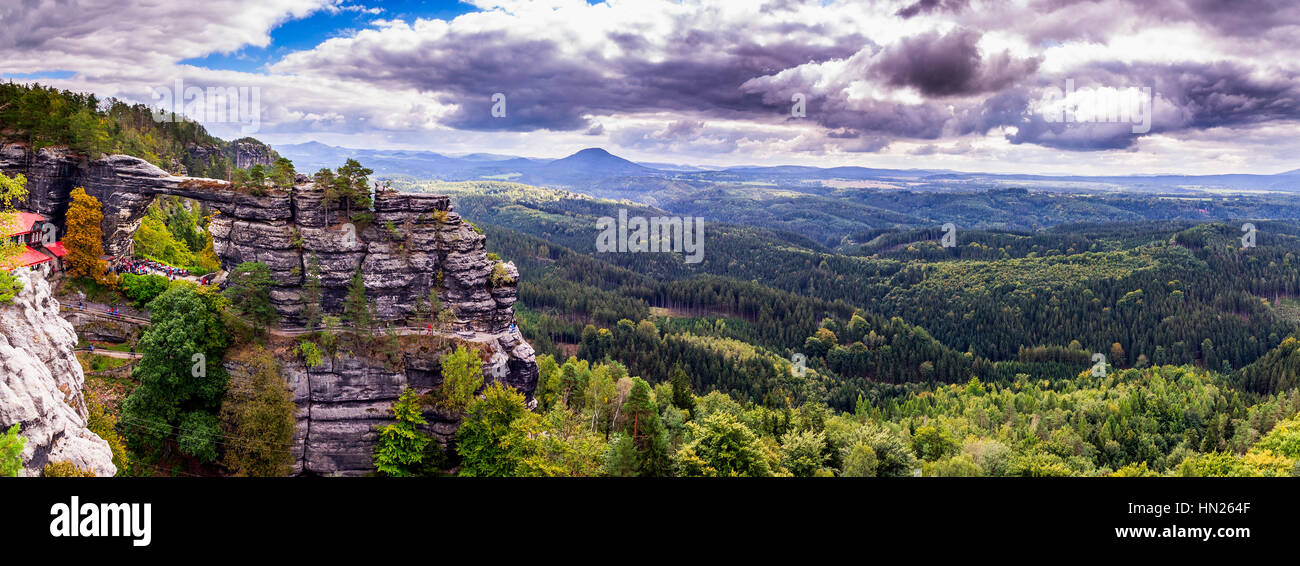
{"points": [[11, 452], [65, 469], [143, 288]]}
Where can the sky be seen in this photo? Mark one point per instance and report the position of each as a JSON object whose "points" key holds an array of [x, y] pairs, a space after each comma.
{"points": [[1096, 87]]}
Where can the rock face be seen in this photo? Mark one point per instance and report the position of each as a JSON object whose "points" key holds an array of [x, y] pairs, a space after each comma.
{"points": [[244, 154], [415, 245], [40, 383]]}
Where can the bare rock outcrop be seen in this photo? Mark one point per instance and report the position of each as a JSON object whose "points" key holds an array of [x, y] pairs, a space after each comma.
{"points": [[40, 383]]}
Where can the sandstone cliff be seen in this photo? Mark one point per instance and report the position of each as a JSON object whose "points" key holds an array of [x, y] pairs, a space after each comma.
{"points": [[415, 245], [40, 383]]}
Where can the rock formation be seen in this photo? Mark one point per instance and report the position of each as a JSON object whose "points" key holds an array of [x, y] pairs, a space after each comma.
{"points": [[40, 383], [414, 246], [243, 153]]}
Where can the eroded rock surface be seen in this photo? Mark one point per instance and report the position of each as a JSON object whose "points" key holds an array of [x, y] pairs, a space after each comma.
{"points": [[40, 383]]}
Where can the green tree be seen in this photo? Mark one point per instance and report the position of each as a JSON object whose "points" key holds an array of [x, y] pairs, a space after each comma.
{"points": [[462, 375], [352, 186], [200, 435], [401, 448], [683, 395], [860, 461], [180, 370], [12, 190], [803, 452], [642, 448], [257, 175], [548, 382], [482, 440], [932, 443], [104, 425], [312, 293], [311, 354], [257, 418], [357, 312], [248, 289], [282, 173], [142, 289], [723, 447]]}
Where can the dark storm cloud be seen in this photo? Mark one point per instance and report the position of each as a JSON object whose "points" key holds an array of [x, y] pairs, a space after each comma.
{"points": [[546, 89], [697, 66], [927, 6], [947, 65], [1232, 17]]}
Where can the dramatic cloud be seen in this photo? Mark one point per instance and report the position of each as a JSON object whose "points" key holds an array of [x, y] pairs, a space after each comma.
{"points": [[962, 82], [951, 64]]}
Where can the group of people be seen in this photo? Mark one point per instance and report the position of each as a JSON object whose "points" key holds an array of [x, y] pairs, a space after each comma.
{"points": [[123, 264], [109, 310]]}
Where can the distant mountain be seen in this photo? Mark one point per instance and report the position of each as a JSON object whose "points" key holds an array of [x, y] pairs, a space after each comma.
{"points": [[598, 172], [586, 166]]}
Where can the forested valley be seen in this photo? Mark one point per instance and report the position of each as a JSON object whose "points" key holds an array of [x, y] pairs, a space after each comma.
{"points": [[977, 359]]}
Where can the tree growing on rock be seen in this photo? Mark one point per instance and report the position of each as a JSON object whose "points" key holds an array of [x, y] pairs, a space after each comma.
{"points": [[257, 419], [350, 186], [311, 294], [282, 173], [248, 289], [401, 447], [462, 375], [357, 310]]}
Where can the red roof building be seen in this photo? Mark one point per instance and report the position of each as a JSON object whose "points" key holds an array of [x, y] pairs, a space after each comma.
{"points": [[30, 257], [28, 231], [57, 249]]}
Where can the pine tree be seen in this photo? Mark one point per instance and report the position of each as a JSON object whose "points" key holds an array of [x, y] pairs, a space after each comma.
{"points": [[683, 397], [356, 309], [311, 294], [249, 291], [643, 448]]}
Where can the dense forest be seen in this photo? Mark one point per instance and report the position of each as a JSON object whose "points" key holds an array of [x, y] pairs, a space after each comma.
{"points": [[972, 360], [43, 116]]}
